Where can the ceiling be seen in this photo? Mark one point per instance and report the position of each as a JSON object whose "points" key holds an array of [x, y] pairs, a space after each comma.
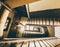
{"points": [[17, 3]]}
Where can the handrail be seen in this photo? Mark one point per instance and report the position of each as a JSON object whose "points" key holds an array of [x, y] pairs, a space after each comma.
{"points": [[16, 40], [6, 6]]}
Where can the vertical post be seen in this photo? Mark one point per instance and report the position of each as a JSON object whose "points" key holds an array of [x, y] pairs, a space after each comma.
{"points": [[27, 8]]}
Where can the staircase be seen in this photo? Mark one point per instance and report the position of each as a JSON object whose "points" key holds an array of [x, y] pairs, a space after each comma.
{"points": [[30, 42]]}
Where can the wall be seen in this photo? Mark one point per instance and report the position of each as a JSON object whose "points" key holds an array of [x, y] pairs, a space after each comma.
{"points": [[44, 4], [57, 32], [5, 33]]}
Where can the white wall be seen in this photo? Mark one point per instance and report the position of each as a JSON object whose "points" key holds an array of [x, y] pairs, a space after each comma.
{"points": [[44, 4], [57, 32]]}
